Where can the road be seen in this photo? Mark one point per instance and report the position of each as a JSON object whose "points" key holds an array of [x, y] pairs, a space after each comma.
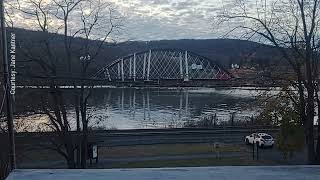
{"points": [[147, 137], [109, 138]]}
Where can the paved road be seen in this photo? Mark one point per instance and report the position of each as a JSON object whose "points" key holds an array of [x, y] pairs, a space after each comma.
{"points": [[234, 135]]}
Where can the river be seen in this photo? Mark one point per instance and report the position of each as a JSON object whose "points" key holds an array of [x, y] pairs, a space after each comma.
{"points": [[136, 108]]}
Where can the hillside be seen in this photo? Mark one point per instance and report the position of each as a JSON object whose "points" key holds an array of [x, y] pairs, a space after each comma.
{"points": [[224, 51]]}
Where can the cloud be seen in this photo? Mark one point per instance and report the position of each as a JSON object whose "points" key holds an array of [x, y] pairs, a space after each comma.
{"points": [[168, 19]]}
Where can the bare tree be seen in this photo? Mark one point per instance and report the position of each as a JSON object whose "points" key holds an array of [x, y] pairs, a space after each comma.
{"points": [[91, 21], [88, 20], [292, 26]]}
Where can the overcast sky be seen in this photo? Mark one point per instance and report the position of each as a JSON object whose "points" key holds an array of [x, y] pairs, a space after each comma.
{"points": [[163, 19], [169, 19]]}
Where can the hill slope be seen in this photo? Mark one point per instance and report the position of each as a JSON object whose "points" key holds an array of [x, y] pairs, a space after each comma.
{"points": [[224, 51]]}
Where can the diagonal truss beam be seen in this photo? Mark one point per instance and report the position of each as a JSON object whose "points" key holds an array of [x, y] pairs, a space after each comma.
{"points": [[166, 64]]}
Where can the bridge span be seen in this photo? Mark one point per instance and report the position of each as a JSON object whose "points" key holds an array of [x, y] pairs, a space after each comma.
{"points": [[162, 64]]}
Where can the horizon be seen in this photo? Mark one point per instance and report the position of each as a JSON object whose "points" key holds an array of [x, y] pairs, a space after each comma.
{"points": [[119, 42]]}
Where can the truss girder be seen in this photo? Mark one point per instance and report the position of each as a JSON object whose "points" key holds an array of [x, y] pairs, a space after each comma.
{"points": [[162, 64]]}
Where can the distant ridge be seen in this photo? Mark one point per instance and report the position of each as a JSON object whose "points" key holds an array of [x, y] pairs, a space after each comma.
{"points": [[224, 51]]}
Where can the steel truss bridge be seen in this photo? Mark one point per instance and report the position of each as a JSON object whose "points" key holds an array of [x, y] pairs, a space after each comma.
{"points": [[162, 64]]}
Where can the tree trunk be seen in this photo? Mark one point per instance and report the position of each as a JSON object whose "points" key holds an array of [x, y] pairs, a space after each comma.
{"points": [[318, 128], [309, 124], [318, 143], [310, 144], [62, 126], [78, 139], [84, 146], [70, 160]]}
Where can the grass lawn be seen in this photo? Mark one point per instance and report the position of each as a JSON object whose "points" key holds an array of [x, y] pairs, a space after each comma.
{"points": [[155, 156], [40, 154], [192, 163], [164, 150]]}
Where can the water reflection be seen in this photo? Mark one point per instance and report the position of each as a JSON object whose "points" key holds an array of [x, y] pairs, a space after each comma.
{"points": [[132, 108], [163, 108]]}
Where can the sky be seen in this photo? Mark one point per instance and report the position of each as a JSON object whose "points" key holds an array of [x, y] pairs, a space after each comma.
{"points": [[145, 20], [169, 19]]}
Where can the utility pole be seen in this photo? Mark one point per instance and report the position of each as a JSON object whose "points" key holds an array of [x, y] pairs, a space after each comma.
{"points": [[6, 76]]}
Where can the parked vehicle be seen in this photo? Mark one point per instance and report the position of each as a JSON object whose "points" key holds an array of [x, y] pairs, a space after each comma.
{"points": [[261, 139]]}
